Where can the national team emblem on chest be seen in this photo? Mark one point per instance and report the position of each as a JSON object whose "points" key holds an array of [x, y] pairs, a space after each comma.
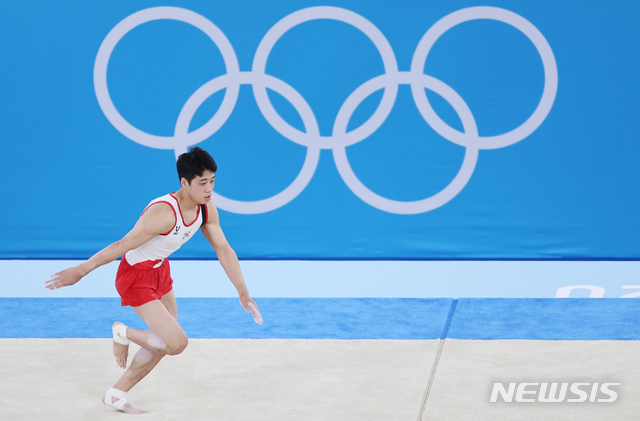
{"points": [[186, 235]]}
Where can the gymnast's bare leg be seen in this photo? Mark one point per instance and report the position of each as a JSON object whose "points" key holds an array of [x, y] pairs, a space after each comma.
{"points": [[165, 337]]}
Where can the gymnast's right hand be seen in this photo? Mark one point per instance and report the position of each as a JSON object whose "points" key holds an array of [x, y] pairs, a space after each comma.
{"points": [[64, 278]]}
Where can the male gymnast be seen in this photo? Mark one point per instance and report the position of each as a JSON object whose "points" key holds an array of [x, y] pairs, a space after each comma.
{"points": [[143, 279]]}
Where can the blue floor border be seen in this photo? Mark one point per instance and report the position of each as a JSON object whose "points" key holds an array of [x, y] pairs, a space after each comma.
{"points": [[547, 319], [339, 318]]}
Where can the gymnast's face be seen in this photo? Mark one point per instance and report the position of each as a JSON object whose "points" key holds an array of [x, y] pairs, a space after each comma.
{"points": [[201, 187]]}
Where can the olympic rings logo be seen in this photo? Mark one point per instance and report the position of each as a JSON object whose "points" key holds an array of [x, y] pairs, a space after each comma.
{"points": [[340, 138]]}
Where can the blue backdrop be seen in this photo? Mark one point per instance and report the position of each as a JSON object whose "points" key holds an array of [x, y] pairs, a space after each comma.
{"points": [[525, 145]]}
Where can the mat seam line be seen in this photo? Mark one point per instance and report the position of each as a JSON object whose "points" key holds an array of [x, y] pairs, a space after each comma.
{"points": [[436, 361]]}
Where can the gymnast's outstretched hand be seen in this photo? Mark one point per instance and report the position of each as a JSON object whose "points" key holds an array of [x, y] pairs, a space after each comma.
{"points": [[64, 278], [251, 307]]}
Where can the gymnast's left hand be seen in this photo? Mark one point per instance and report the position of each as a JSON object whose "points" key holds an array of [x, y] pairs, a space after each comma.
{"points": [[251, 307], [64, 278]]}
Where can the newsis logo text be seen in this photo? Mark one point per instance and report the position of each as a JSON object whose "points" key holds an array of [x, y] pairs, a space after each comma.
{"points": [[554, 392]]}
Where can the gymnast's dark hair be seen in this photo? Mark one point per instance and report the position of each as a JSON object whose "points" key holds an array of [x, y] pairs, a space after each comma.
{"points": [[194, 163]]}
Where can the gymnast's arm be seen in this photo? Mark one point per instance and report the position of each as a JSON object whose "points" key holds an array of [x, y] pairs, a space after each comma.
{"points": [[156, 220], [227, 257]]}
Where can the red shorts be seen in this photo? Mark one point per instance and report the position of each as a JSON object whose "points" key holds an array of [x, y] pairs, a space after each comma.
{"points": [[141, 283]]}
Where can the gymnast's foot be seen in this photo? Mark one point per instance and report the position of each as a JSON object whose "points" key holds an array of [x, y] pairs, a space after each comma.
{"points": [[115, 399], [120, 344]]}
